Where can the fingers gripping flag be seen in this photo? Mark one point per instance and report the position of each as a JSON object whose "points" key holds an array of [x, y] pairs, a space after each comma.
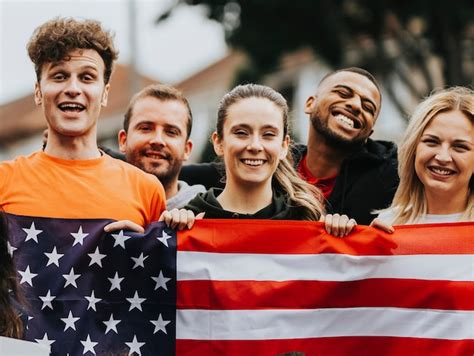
{"points": [[233, 287]]}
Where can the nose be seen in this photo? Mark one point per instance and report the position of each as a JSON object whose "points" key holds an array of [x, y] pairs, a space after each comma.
{"points": [[255, 144], [157, 138], [73, 88], [354, 104], [443, 155]]}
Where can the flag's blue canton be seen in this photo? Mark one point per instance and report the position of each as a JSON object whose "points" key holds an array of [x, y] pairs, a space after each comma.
{"points": [[96, 293]]}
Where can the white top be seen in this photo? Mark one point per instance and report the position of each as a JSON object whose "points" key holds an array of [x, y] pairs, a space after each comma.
{"points": [[387, 217]]}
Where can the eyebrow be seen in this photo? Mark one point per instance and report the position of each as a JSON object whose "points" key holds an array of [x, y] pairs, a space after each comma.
{"points": [[246, 126], [61, 63], [352, 91], [148, 122], [458, 140]]}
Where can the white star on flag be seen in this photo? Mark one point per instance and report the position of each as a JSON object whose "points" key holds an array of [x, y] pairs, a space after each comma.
{"points": [[96, 257], [135, 346], [160, 324], [164, 239], [53, 257], [139, 261], [92, 301], [11, 248], [88, 345], [136, 302], [32, 233], [161, 281], [120, 239], [79, 236], [70, 321], [45, 341], [115, 282], [111, 324], [47, 299], [27, 276], [71, 278]]}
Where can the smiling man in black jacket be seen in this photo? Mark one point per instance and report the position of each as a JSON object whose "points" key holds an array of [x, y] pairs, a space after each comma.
{"points": [[356, 174]]}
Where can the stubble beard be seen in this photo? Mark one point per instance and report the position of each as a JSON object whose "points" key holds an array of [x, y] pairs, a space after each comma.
{"points": [[166, 177], [334, 140]]}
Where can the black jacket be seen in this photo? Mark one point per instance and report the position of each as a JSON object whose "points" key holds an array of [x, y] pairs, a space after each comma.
{"points": [[367, 180], [279, 209]]}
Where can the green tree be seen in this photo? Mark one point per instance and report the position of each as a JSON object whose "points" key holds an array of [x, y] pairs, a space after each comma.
{"points": [[415, 44]]}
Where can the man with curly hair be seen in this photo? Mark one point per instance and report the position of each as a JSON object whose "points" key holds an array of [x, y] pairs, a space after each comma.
{"points": [[73, 62], [71, 179]]}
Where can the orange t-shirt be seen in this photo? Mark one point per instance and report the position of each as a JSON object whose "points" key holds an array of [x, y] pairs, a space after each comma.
{"points": [[102, 188]]}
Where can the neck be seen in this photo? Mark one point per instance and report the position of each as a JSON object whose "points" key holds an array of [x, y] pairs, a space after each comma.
{"points": [[322, 160], [72, 148], [171, 188], [246, 199], [446, 203]]}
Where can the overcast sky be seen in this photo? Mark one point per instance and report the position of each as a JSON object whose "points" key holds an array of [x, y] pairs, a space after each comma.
{"points": [[169, 52]]}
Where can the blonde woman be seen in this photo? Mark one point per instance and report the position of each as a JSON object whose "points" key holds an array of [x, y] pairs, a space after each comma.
{"points": [[436, 163]]}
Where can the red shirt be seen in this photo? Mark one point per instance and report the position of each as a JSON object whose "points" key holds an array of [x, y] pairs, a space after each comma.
{"points": [[325, 184]]}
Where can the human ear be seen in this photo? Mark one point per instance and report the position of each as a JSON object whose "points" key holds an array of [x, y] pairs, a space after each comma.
{"points": [[38, 94], [105, 96], [285, 145], [308, 107], [188, 146], [217, 144], [122, 140]]}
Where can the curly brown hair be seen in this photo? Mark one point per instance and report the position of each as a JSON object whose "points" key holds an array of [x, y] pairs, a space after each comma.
{"points": [[55, 39]]}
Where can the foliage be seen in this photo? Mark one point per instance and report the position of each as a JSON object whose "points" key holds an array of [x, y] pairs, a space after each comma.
{"points": [[415, 44]]}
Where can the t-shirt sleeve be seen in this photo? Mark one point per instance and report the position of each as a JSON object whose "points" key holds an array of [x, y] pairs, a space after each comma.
{"points": [[6, 173], [157, 202]]}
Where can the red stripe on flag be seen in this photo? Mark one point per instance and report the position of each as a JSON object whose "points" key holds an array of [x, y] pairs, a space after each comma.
{"points": [[335, 346], [270, 237], [222, 295]]}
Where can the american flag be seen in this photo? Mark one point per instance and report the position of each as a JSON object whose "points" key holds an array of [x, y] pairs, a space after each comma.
{"points": [[241, 287], [92, 293]]}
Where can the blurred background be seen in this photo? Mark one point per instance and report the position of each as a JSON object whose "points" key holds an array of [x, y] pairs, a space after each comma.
{"points": [[206, 47]]}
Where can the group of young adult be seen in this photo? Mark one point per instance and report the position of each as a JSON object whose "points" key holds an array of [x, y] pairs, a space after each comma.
{"points": [[340, 177]]}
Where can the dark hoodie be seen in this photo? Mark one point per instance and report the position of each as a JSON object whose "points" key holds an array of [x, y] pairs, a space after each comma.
{"points": [[279, 209], [367, 180]]}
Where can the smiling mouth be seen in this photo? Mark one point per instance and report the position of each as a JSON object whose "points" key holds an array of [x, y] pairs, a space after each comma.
{"points": [[442, 171], [346, 121], [253, 162], [156, 156], [70, 107]]}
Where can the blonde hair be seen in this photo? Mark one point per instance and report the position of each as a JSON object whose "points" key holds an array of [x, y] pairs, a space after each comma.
{"points": [[285, 178], [409, 202]]}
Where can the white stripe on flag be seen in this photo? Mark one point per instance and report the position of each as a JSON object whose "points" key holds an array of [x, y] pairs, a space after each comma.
{"points": [[323, 267], [295, 324]]}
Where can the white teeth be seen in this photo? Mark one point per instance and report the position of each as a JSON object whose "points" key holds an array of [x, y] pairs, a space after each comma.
{"points": [[253, 162], [444, 172], [71, 106], [345, 120]]}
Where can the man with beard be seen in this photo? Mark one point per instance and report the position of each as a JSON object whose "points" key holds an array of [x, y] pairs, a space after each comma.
{"points": [[356, 174], [155, 138]]}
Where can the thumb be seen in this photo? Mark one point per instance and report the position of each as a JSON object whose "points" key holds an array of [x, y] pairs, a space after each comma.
{"points": [[200, 215]]}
